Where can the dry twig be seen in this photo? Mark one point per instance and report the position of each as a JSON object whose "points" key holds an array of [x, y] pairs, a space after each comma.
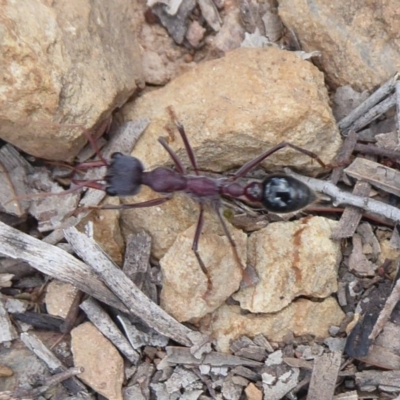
{"points": [[374, 99], [340, 197], [137, 303]]}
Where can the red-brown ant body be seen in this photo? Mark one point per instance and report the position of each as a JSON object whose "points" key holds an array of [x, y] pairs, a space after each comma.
{"points": [[277, 192]]}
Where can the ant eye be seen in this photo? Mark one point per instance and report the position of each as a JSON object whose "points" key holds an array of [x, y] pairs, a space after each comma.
{"points": [[111, 191]]}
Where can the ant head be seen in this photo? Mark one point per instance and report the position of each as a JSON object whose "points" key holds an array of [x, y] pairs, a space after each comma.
{"points": [[124, 175]]}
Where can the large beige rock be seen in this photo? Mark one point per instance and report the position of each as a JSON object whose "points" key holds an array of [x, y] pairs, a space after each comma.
{"points": [[302, 317], [104, 366], [292, 259], [69, 62], [233, 109], [238, 106], [186, 294], [359, 41]]}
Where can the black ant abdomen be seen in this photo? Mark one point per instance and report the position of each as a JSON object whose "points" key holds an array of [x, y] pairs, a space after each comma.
{"points": [[283, 194]]}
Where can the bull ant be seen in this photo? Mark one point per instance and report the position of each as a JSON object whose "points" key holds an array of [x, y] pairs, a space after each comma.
{"points": [[277, 192]]}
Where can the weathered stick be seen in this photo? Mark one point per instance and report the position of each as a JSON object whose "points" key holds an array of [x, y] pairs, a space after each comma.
{"points": [[372, 100], [134, 299], [56, 263], [344, 198], [107, 327]]}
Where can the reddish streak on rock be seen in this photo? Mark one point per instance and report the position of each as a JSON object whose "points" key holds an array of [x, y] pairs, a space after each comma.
{"points": [[296, 256]]}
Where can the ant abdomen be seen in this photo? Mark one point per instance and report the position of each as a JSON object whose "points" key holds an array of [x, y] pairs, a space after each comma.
{"points": [[283, 194], [124, 175]]}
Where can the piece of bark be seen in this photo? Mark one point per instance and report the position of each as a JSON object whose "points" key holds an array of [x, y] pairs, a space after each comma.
{"points": [[347, 396], [359, 339], [51, 205], [18, 268], [374, 113], [384, 315], [40, 321], [324, 376], [14, 171], [343, 156], [177, 24], [252, 352], [377, 378], [260, 340], [390, 338], [395, 238], [7, 330], [48, 383], [230, 390], [298, 363], [181, 355], [378, 175], [210, 13], [181, 378], [343, 198], [137, 263], [246, 373], [56, 263], [106, 326], [274, 28], [351, 216], [142, 377], [372, 149], [381, 357], [52, 362], [239, 380], [133, 392], [73, 313], [369, 238], [341, 294], [358, 262], [139, 338], [387, 141], [366, 105], [137, 303], [240, 343], [279, 381], [11, 220]]}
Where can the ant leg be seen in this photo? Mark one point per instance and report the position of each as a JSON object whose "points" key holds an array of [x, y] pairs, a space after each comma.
{"points": [[185, 140], [104, 126], [92, 184], [246, 168], [149, 203], [79, 168], [178, 163], [91, 164], [199, 228], [247, 278]]}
